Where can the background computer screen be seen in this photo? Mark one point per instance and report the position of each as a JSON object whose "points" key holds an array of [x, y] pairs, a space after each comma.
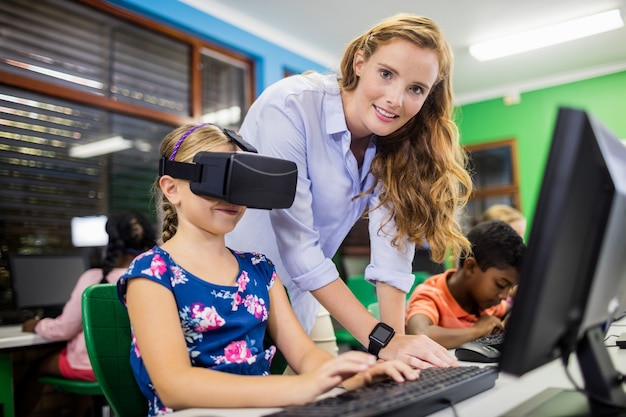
{"points": [[573, 277], [44, 281], [89, 231]]}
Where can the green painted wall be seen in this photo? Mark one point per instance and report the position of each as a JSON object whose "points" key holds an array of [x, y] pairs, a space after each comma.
{"points": [[532, 120]]}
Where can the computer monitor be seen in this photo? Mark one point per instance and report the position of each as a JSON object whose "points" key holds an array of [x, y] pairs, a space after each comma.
{"points": [[44, 283], [573, 278], [89, 231]]}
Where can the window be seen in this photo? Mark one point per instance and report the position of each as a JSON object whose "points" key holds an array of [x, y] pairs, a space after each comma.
{"points": [[74, 72], [225, 87], [493, 166]]}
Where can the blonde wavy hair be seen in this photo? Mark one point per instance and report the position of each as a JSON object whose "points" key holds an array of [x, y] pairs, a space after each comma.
{"points": [[421, 166], [203, 138], [502, 212]]}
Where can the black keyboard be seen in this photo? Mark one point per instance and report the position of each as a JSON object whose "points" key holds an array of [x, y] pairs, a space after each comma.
{"points": [[494, 340], [435, 389]]}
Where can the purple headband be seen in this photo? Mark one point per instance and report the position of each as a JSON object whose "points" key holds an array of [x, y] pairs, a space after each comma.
{"points": [[183, 137]]}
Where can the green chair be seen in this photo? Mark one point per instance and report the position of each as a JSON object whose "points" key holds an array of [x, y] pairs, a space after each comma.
{"points": [[420, 276], [107, 334], [374, 310]]}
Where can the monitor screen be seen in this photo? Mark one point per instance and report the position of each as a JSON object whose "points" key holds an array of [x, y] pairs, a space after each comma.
{"points": [[44, 281], [573, 278], [89, 231]]}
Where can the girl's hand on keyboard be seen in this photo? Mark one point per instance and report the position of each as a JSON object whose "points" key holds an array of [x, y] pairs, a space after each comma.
{"points": [[394, 369], [351, 369], [418, 351]]}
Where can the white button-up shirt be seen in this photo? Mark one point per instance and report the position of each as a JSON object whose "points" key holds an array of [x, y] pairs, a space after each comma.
{"points": [[301, 119]]}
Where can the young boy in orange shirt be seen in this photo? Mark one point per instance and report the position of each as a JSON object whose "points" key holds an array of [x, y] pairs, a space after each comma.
{"points": [[463, 304]]}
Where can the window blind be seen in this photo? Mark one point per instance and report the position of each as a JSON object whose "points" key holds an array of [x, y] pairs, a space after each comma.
{"points": [[71, 45]]}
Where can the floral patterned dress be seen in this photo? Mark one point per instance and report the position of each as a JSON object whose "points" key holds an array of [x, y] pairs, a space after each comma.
{"points": [[224, 326]]}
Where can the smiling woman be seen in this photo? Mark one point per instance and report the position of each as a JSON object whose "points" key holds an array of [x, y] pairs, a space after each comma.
{"points": [[396, 81], [377, 141]]}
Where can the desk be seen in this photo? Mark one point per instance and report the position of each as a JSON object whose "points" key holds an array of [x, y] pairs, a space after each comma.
{"points": [[11, 339], [508, 392]]}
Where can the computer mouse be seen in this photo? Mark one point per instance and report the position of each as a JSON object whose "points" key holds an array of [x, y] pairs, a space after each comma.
{"points": [[477, 352]]}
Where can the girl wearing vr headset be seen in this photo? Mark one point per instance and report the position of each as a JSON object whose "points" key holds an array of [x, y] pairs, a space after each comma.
{"points": [[200, 311], [379, 141]]}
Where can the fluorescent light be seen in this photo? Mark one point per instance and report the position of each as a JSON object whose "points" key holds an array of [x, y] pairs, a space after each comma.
{"points": [[100, 147], [546, 36], [223, 117]]}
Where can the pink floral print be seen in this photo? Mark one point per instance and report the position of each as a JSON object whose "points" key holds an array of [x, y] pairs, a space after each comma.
{"points": [[209, 317]]}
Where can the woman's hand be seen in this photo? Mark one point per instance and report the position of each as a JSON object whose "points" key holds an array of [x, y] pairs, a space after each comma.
{"points": [[418, 351]]}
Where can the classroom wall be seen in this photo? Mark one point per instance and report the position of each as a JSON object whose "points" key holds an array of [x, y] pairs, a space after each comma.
{"points": [[532, 120], [270, 59]]}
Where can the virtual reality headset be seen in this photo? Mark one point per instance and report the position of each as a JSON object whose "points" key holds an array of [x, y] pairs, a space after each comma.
{"points": [[242, 178]]}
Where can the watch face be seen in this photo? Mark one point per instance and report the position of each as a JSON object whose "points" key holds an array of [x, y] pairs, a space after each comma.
{"points": [[380, 333]]}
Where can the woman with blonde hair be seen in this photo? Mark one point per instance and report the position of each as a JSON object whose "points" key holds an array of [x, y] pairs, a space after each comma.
{"points": [[376, 141]]}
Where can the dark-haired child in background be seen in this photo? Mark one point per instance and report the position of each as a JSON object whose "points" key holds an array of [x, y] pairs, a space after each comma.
{"points": [[130, 233], [463, 304]]}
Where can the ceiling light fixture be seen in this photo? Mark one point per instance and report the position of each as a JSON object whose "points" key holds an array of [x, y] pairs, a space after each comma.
{"points": [[100, 147], [546, 36]]}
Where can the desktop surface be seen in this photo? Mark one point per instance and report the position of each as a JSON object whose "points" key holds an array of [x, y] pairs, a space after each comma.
{"points": [[12, 336]]}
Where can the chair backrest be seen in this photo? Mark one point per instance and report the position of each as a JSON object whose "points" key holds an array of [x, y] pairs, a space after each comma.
{"points": [[107, 334]]}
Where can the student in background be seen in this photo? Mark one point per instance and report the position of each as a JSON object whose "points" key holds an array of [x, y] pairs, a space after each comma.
{"points": [[378, 140], [464, 304], [516, 220], [200, 311], [508, 215], [130, 233]]}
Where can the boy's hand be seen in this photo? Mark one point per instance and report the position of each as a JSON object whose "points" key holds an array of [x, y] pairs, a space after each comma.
{"points": [[489, 324]]}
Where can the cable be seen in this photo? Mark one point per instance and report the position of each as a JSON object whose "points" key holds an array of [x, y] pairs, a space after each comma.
{"points": [[452, 407], [609, 336]]}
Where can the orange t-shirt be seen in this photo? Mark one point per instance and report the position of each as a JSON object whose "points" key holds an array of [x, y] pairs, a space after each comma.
{"points": [[433, 299]]}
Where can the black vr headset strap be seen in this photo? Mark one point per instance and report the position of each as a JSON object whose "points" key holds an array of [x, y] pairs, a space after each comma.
{"points": [[181, 170]]}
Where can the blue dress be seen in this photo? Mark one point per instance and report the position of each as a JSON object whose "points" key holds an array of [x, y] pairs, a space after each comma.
{"points": [[224, 326]]}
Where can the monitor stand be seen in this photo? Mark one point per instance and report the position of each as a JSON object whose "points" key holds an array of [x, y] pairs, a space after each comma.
{"points": [[601, 380]]}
